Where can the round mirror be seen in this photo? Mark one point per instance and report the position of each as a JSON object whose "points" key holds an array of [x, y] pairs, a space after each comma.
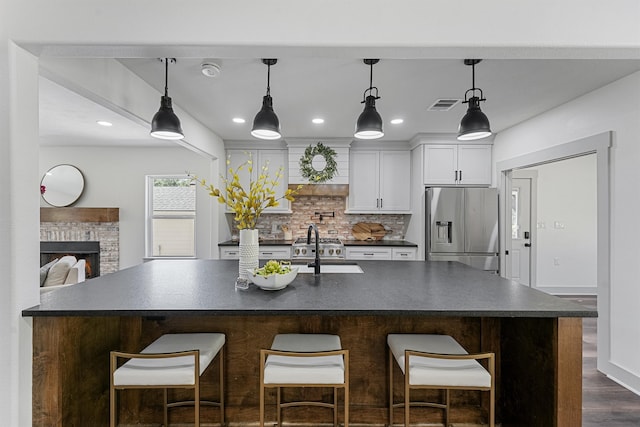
{"points": [[62, 185], [318, 163]]}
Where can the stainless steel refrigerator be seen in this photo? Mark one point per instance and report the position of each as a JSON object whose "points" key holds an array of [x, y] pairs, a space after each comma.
{"points": [[462, 225]]}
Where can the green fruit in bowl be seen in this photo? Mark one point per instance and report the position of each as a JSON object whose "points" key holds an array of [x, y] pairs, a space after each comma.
{"points": [[274, 267]]}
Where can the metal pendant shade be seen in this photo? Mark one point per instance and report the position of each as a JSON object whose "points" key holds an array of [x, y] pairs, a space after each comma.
{"points": [[369, 124], [266, 124], [165, 124], [474, 124]]}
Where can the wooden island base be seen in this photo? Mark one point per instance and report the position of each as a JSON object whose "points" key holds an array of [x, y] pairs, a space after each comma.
{"points": [[539, 362]]}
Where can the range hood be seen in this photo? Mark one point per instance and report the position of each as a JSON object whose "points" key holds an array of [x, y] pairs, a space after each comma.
{"points": [[322, 189]]}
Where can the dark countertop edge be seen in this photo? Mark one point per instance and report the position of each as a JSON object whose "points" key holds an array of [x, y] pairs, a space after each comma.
{"points": [[34, 312], [399, 243]]}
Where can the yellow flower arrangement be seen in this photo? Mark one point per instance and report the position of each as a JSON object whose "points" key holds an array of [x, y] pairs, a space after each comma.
{"points": [[248, 205]]}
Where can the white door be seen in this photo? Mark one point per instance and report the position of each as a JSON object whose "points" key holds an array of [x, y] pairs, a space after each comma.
{"points": [[521, 232]]}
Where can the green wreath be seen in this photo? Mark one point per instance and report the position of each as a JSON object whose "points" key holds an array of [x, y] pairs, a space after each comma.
{"points": [[306, 166]]}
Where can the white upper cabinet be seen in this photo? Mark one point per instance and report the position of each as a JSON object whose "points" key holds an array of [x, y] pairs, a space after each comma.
{"points": [[453, 164], [276, 159], [379, 182]]}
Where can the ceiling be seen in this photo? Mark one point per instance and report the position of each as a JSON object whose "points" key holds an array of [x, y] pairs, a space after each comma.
{"points": [[332, 89]]}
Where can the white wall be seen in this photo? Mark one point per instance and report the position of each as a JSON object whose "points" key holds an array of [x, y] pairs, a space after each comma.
{"points": [[115, 177], [566, 226], [615, 107], [215, 28]]}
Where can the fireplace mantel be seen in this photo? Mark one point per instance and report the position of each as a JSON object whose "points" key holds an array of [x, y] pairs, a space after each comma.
{"points": [[79, 214]]}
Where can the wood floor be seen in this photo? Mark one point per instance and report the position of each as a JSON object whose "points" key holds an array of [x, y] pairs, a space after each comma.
{"points": [[604, 402]]}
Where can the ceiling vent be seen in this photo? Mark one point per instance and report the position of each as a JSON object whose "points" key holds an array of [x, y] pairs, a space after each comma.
{"points": [[444, 104]]}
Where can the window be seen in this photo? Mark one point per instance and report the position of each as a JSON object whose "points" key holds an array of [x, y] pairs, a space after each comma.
{"points": [[171, 216]]}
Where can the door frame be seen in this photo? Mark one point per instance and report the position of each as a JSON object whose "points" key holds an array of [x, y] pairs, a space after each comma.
{"points": [[533, 229], [598, 144]]}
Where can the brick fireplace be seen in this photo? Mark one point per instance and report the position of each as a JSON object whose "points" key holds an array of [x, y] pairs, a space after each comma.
{"points": [[79, 230]]}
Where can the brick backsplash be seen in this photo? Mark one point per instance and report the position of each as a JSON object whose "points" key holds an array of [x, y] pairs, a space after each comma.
{"points": [[107, 233], [304, 210]]}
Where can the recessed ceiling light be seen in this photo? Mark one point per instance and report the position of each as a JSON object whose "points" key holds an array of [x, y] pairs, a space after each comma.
{"points": [[104, 123], [318, 121], [238, 120], [397, 121]]}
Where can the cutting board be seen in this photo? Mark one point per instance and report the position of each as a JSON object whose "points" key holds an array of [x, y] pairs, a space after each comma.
{"points": [[368, 231]]}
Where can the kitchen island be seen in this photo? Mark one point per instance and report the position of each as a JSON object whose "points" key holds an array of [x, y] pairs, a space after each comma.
{"points": [[537, 338]]}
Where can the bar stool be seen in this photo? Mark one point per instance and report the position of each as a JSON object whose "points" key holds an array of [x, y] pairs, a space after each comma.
{"points": [[438, 362], [305, 360], [171, 361]]}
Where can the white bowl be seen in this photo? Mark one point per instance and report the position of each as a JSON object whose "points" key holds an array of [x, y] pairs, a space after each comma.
{"points": [[273, 282]]}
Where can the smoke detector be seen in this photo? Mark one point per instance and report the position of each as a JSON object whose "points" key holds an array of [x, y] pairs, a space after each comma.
{"points": [[210, 68]]}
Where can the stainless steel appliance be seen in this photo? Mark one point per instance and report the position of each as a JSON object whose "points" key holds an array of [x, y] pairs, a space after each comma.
{"points": [[462, 225], [328, 249]]}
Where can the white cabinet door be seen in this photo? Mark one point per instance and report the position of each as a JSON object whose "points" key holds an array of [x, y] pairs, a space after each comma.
{"points": [[276, 158], [474, 164], [457, 164], [395, 181], [440, 164], [379, 181], [364, 193]]}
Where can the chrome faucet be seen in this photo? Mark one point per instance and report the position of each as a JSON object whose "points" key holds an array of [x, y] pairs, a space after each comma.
{"points": [[316, 263]]}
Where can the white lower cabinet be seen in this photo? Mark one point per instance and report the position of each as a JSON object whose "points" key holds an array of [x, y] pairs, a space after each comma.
{"points": [[264, 252], [368, 252], [404, 254]]}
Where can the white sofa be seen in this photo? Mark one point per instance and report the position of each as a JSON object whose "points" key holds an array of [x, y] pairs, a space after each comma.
{"points": [[62, 272]]}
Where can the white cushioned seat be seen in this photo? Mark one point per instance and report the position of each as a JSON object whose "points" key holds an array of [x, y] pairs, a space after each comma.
{"points": [[431, 371], [299, 360], [304, 370], [174, 370], [448, 366], [162, 364]]}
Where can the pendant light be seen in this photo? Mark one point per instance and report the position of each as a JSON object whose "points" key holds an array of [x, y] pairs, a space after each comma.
{"points": [[474, 124], [266, 124], [369, 124], [165, 124]]}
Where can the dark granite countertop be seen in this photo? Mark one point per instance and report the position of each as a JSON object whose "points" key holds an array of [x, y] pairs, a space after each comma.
{"points": [[206, 287], [384, 243]]}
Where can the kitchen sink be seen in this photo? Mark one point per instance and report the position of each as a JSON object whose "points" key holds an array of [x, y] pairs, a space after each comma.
{"points": [[332, 268]]}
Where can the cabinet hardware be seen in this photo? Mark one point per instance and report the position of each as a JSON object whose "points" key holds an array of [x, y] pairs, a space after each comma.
{"points": [[456, 179], [267, 253], [368, 254], [460, 176], [527, 245], [381, 203]]}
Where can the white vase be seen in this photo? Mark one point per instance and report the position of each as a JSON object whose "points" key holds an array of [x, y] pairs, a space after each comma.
{"points": [[248, 255]]}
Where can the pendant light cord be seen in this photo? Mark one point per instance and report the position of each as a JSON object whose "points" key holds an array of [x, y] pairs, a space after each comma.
{"points": [[166, 76], [473, 76], [371, 86], [268, 79]]}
